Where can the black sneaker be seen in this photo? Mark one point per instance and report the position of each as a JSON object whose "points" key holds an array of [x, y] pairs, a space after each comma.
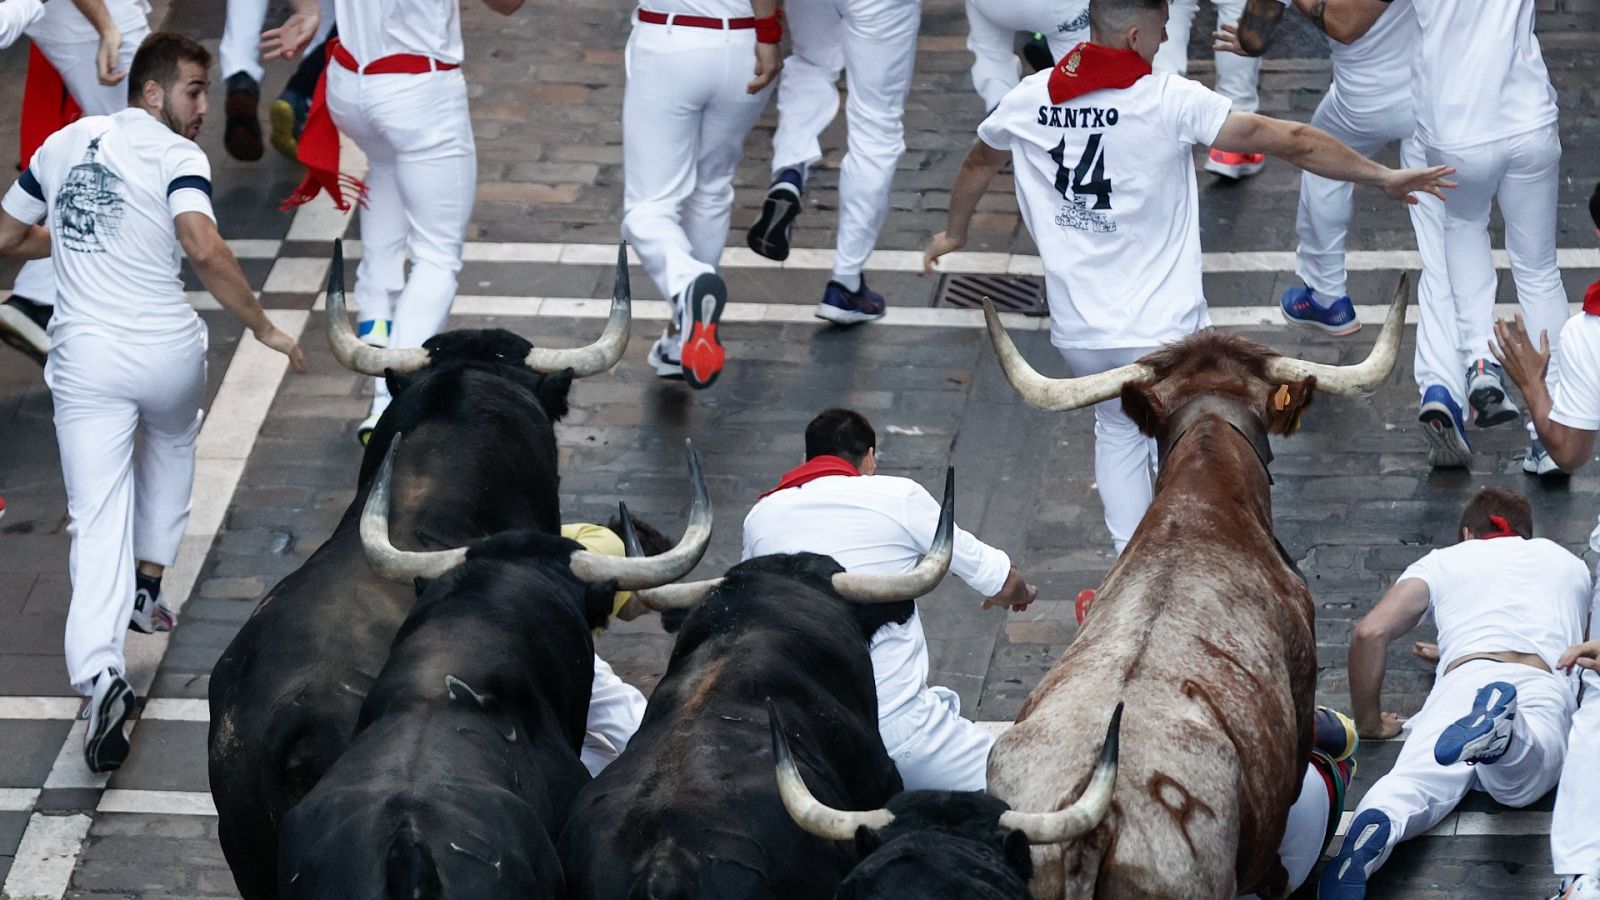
{"points": [[22, 325], [1486, 391], [105, 743], [242, 132], [1036, 53], [769, 236], [150, 610]]}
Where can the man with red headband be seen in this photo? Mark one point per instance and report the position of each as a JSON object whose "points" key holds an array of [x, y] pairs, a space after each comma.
{"points": [[1507, 606], [1103, 153], [835, 504]]}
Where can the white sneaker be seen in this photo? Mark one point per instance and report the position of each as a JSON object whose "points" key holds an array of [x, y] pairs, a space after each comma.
{"points": [[151, 613], [365, 429], [1587, 887], [1537, 461], [105, 743], [665, 356]]}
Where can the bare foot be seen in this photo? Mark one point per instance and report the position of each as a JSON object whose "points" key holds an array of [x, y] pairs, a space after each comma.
{"points": [[1426, 653]]}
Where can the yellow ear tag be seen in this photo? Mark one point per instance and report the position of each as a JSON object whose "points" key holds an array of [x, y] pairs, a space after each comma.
{"points": [[1280, 400]]}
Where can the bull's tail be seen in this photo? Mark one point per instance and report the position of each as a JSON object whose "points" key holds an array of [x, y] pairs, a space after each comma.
{"points": [[670, 874], [409, 871]]}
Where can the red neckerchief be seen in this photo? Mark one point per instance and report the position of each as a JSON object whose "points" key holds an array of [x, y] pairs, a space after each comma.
{"points": [[1591, 299], [812, 469], [1091, 67], [46, 106], [319, 151], [1504, 528]]}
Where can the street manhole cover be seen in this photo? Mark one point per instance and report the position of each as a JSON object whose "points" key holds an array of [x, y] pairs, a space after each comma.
{"points": [[1010, 293]]}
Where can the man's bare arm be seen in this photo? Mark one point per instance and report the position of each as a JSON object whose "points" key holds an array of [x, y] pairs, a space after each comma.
{"points": [[290, 39], [219, 271], [1398, 612], [981, 165], [1257, 24], [1570, 447], [1321, 153], [1343, 20], [108, 56], [22, 240]]}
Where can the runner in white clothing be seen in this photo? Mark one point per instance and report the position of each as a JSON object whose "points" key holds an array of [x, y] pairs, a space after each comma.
{"points": [[125, 196], [835, 505], [15, 15], [688, 104], [240, 60], [1102, 150], [1507, 608], [1237, 78], [993, 26], [1567, 416]]}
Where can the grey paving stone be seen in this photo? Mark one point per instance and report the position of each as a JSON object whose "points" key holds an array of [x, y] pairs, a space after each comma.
{"points": [[12, 824], [166, 756]]}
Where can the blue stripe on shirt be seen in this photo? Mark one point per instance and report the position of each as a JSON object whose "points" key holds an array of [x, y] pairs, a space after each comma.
{"points": [[31, 184], [197, 182]]}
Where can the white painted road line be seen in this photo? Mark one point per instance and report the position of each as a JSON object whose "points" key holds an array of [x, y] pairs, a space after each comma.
{"points": [[46, 857], [18, 799], [157, 803]]}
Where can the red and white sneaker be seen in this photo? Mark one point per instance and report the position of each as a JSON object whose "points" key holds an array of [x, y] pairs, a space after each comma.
{"points": [[700, 309], [1235, 165]]}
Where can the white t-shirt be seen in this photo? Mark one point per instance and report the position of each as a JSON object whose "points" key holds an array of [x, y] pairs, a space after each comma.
{"points": [[1478, 75], [1505, 594], [1106, 184], [62, 23], [1374, 72], [874, 524], [1575, 396], [16, 15], [109, 187], [715, 9], [373, 29]]}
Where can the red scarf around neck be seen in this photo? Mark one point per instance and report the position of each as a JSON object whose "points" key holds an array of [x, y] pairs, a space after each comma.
{"points": [[1091, 67], [1591, 299], [1502, 528], [812, 469]]}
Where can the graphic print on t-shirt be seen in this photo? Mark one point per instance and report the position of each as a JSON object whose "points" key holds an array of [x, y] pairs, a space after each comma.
{"points": [[89, 206], [1077, 23], [1087, 178]]}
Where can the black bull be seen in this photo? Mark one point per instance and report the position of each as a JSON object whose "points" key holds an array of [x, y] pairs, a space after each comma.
{"points": [[480, 458]]}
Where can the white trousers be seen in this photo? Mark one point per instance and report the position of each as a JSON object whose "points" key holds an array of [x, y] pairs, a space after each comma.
{"points": [[874, 42], [1236, 75], [75, 61], [422, 173], [933, 747], [127, 416], [685, 114], [241, 36], [615, 710], [1574, 839], [993, 27], [1520, 173], [1306, 832], [1124, 459], [1418, 792]]}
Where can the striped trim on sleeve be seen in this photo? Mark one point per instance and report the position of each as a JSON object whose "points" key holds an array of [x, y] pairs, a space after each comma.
{"points": [[197, 182], [31, 184]]}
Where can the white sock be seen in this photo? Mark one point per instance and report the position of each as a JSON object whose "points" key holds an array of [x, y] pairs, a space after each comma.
{"points": [[852, 283], [1323, 299]]}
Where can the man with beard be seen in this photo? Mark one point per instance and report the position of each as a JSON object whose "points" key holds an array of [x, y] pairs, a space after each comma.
{"points": [[121, 193]]}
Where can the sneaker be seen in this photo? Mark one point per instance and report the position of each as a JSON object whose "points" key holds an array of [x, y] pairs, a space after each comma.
{"points": [[1036, 52], [664, 356], [1345, 876], [1235, 165], [105, 744], [373, 332], [1537, 461], [22, 325], [769, 236], [842, 306], [1483, 735], [1486, 391], [1584, 887], [1334, 733], [242, 133], [700, 309], [150, 610], [1447, 435], [1300, 307], [287, 115], [365, 429]]}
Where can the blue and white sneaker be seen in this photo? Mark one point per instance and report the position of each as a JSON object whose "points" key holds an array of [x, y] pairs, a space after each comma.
{"points": [[1446, 433], [105, 744], [1486, 391], [843, 306], [1537, 461], [1300, 307], [1345, 877], [1483, 735], [373, 332]]}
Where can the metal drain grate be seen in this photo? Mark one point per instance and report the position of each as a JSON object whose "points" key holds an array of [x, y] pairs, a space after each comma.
{"points": [[1010, 293]]}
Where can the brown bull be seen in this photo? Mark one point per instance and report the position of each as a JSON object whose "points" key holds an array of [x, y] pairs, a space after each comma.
{"points": [[1203, 628]]}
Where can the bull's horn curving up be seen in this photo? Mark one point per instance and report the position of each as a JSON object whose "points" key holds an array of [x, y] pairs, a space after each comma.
{"points": [[634, 574], [661, 599], [607, 350], [1363, 377], [386, 559], [808, 812], [859, 587], [352, 352], [1056, 394], [1086, 812]]}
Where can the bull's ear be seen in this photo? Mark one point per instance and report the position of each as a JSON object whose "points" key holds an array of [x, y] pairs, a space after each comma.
{"points": [[1286, 403], [553, 389], [1018, 854], [396, 381], [1144, 408], [867, 840]]}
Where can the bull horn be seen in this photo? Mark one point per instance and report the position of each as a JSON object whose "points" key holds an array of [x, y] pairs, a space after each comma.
{"points": [[811, 814], [630, 537], [386, 559], [352, 352], [651, 571], [859, 587], [1056, 394], [1086, 812], [1363, 377], [661, 599], [607, 350]]}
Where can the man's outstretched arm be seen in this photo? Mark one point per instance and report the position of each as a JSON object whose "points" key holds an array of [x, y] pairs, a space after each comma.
{"points": [[1398, 612], [1320, 153]]}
